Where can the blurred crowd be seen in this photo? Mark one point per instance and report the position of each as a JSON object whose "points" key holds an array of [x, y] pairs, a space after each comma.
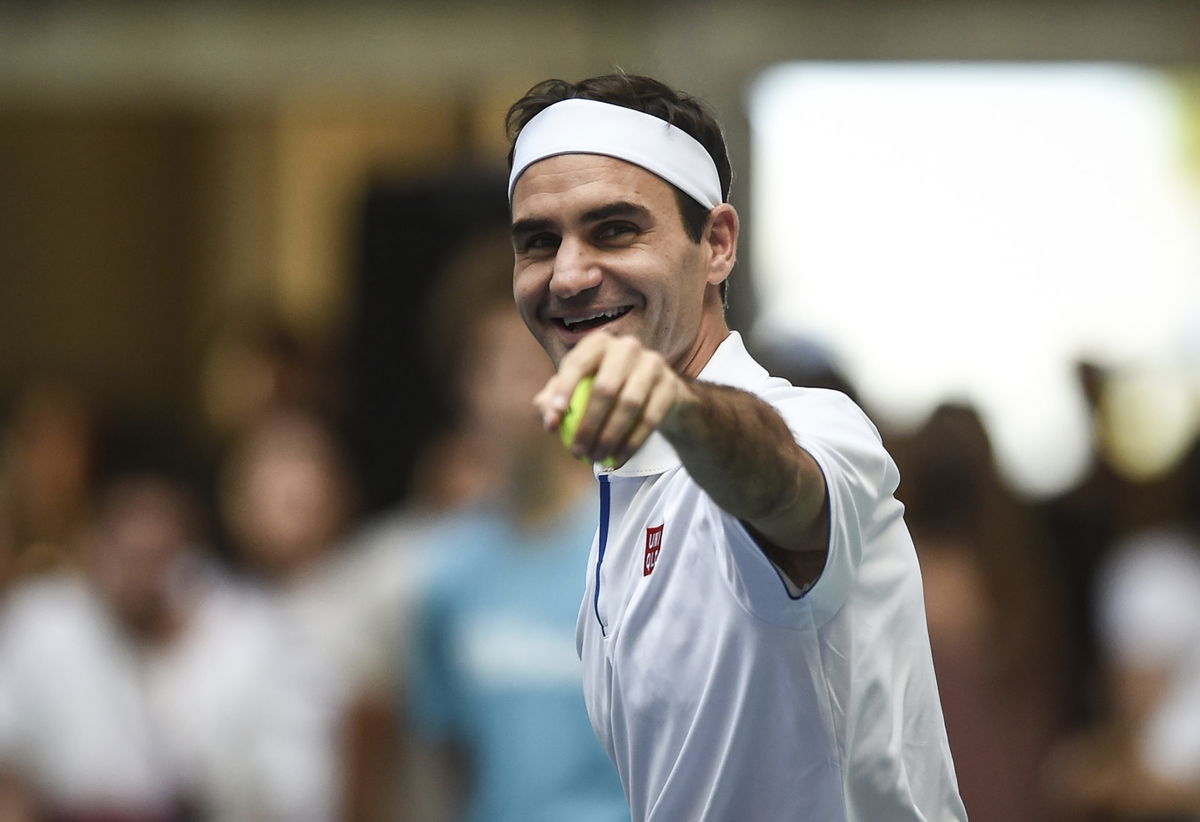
{"points": [[225, 632]]}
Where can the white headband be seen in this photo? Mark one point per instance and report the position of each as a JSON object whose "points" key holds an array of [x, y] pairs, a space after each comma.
{"points": [[579, 126]]}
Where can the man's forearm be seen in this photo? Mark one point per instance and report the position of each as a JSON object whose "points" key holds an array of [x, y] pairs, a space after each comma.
{"points": [[739, 450]]}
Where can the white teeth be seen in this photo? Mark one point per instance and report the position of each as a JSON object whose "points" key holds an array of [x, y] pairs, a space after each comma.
{"points": [[608, 315]]}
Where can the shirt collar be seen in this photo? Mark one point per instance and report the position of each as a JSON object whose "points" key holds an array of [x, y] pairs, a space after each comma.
{"points": [[729, 365], [732, 365]]}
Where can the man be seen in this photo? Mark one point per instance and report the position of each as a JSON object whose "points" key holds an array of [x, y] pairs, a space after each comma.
{"points": [[752, 633]]}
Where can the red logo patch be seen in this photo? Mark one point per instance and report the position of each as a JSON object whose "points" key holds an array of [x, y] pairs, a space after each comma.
{"points": [[653, 544]]}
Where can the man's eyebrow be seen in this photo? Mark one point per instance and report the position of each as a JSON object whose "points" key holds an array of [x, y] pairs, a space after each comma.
{"points": [[620, 208], [530, 225]]}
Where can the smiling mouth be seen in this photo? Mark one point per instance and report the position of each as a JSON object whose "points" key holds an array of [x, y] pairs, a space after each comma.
{"points": [[593, 320]]}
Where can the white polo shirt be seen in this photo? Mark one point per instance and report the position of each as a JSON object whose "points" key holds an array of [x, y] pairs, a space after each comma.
{"points": [[723, 698]]}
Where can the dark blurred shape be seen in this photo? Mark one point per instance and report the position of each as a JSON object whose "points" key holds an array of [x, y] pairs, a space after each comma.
{"points": [[395, 401], [951, 487], [1083, 522], [993, 613]]}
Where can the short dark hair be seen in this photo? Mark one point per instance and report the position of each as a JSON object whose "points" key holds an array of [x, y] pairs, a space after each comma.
{"points": [[643, 94]]}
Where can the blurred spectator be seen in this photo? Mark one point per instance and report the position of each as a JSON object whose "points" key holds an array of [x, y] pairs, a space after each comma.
{"points": [[148, 687], [286, 495], [1140, 762], [994, 620], [1083, 522], [49, 453], [288, 499], [497, 683]]}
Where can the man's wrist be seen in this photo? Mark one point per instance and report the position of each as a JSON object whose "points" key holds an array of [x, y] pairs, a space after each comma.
{"points": [[685, 417]]}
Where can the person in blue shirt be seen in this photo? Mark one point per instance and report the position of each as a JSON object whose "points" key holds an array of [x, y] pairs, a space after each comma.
{"points": [[495, 687]]}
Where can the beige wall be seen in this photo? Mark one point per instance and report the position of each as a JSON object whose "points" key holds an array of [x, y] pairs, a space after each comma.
{"points": [[97, 263]]}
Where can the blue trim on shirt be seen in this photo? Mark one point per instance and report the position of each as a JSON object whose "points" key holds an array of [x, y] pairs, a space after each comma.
{"points": [[605, 492]]}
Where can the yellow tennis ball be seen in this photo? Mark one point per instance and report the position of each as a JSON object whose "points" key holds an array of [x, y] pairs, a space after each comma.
{"points": [[573, 416], [575, 408]]}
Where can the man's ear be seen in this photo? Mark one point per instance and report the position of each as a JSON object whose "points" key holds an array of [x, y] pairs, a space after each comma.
{"points": [[722, 238]]}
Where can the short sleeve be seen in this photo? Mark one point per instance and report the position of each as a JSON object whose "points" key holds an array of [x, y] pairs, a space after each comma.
{"points": [[860, 479]]}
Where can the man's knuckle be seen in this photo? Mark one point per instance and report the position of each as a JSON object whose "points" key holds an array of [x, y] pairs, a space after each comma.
{"points": [[603, 391], [628, 405]]}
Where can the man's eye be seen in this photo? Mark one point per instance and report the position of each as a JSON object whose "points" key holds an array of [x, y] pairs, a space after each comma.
{"points": [[540, 242], [612, 231]]}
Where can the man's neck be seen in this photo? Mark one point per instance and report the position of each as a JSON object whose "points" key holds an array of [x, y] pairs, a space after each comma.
{"points": [[713, 331]]}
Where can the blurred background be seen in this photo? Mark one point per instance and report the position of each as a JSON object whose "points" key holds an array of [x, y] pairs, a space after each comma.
{"points": [[237, 244]]}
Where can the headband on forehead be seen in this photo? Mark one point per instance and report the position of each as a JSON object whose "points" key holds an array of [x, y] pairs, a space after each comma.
{"points": [[579, 126]]}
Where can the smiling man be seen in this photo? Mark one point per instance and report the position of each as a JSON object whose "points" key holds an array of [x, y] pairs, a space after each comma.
{"points": [[752, 633]]}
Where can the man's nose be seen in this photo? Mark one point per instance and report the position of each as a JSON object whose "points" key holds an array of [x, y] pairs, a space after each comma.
{"points": [[576, 269]]}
